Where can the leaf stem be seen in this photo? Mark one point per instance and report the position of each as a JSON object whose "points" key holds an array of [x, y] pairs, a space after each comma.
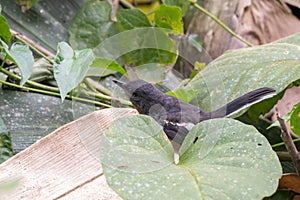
{"points": [[282, 143], [29, 82], [290, 146], [48, 89], [55, 94], [194, 3]]}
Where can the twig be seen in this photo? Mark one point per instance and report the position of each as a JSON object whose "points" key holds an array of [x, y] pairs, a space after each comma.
{"points": [[126, 4], [103, 96], [97, 86], [37, 48], [226, 28], [48, 89], [29, 82], [115, 6], [289, 144], [55, 94], [284, 156], [282, 143]]}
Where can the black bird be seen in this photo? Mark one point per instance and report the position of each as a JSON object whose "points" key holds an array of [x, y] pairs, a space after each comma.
{"points": [[177, 117]]}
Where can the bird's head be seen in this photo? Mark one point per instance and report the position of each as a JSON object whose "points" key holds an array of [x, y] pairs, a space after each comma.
{"points": [[141, 93]]}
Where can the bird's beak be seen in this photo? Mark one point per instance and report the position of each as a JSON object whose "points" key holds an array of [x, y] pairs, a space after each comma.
{"points": [[119, 83]]}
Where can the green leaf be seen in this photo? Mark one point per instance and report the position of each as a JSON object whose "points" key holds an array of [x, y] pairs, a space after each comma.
{"points": [[92, 25], [295, 119], [22, 56], [107, 66], [5, 33], [183, 4], [6, 150], [184, 95], [237, 72], [132, 18], [70, 67], [140, 46], [137, 160], [151, 72], [169, 17], [241, 164]]}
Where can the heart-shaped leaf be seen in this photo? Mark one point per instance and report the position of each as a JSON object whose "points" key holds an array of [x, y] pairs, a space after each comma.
{"points": [[22, 56], [70, 67], [137, 159], [237, 72]]}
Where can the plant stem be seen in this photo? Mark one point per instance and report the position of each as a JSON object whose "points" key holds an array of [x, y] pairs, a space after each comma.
{"points": [[97, 86], [290, 146], [126, 4], [29, 82], [282, 143], [55, 94], [194, 3], [38, 49], [103, 96], [48, 89]]}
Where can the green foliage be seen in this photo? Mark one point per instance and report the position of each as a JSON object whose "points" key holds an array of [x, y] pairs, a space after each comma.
{"points": [[240, 71], [108, 66], [183, 4], [229, 159], [148, 43], [6, 150], [5, 34], [70, 67], [136, 46], [132, 18], [91, 25], [22, 56], [169, 17], [295, 119], [138, 161], [184, 95]]}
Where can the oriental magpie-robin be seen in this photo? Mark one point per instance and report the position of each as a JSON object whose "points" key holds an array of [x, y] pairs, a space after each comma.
{"points": [[177, 117]]}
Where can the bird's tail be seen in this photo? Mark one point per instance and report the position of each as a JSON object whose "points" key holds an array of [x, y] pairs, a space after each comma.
{"points": [[243, 102]]}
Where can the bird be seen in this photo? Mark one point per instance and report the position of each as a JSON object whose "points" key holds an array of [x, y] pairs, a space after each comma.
{"points": [[178, 117]]}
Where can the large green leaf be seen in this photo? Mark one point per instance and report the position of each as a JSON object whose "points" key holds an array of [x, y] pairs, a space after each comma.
{"points": [[133, 19], [21, 55], [169, 17], [137, 159], [140, 45], [6, 150], [92, 25], [274, 65], [70, 67], [5, 34]]}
